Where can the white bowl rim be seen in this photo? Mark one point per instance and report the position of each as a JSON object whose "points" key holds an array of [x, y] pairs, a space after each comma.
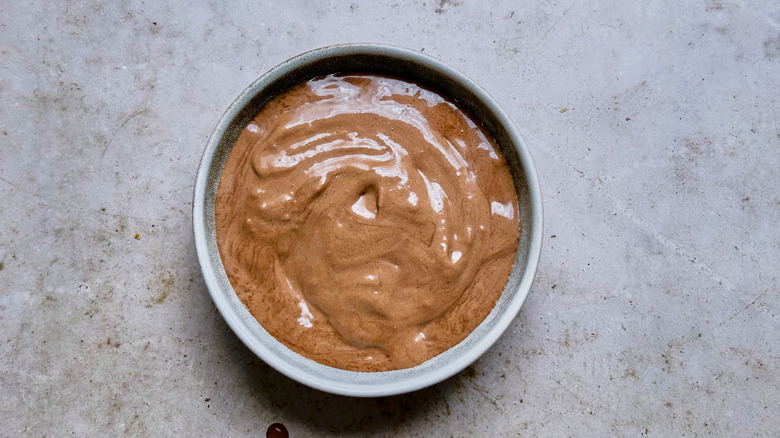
{"points": [[311, 373]]}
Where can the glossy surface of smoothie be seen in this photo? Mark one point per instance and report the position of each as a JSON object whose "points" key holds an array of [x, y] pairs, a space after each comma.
{"points": [[366, 222]]}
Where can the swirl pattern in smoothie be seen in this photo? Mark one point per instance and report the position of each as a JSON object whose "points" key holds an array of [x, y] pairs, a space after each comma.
{"points": [[367, 223]]}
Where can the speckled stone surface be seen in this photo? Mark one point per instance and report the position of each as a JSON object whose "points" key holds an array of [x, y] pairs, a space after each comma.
{"points": [[654, 127]]}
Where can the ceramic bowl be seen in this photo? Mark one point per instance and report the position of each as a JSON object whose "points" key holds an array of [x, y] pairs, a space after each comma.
{"points": [[415, 67]]}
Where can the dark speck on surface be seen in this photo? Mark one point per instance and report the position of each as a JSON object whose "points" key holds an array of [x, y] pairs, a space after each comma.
{"points": [[277, 430]]}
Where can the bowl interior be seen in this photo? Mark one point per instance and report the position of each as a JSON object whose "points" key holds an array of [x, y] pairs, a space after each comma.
{"points": [[425, 71]]}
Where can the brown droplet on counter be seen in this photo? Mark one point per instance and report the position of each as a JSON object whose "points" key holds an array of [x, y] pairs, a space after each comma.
{"points": [[277, 430], [137, 237]]}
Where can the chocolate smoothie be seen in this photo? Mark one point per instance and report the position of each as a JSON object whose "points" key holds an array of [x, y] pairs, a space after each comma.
{"points": [[367, 223]]}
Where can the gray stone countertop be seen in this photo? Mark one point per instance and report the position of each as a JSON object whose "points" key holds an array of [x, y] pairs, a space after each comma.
{"points": [[655, 130]]}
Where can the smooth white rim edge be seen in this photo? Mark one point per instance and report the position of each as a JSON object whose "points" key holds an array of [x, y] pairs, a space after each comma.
{"points": [[501, 323]]}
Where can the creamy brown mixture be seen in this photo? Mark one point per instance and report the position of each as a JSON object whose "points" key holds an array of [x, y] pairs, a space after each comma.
{"points": [[366, 222]]}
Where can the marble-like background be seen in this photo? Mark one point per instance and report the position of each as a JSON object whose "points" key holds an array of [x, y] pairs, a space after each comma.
{"points": [[655, 309]]}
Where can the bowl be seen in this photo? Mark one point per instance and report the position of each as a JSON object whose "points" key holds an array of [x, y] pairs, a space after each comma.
{"points": [[426, 71]]}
